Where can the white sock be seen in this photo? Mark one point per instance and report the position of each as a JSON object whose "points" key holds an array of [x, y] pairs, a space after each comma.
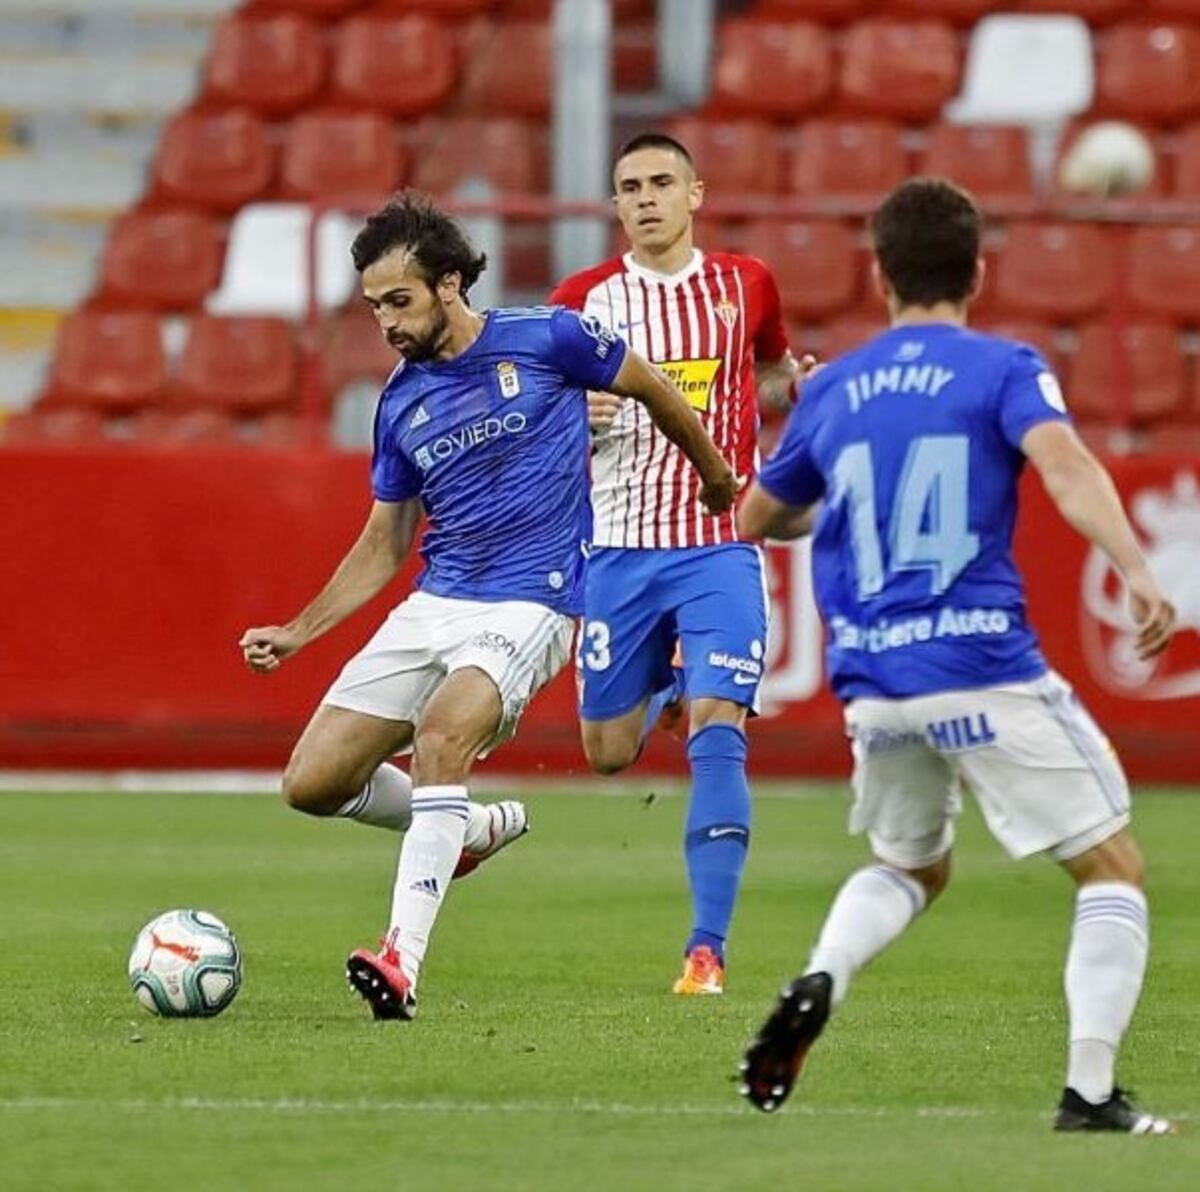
{"points": [[871, 909], [479, 827], [385, 802], [1105, 966], [427, 859]]}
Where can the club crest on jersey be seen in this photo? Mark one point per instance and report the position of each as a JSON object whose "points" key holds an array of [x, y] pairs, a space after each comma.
{"points": [[510, 382], [727, 313]]}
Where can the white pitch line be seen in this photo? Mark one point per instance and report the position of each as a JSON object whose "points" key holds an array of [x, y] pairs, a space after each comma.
{"points": [[287, 1105]]}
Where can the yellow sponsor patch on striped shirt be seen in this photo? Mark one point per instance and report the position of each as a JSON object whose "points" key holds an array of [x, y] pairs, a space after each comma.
{"points": [[694, 378]]}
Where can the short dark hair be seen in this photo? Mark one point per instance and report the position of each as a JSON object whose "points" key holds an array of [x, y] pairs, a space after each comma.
{"points": [[437, 242], [653, 140], [926, 235]]}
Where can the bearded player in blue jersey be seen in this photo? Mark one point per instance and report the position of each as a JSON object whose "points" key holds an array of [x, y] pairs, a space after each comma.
{"points": [[905, 457], [483, 427]]}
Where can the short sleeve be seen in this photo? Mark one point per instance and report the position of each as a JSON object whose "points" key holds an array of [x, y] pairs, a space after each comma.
{"points": [[586, 353], [393, 475], [771, 340], [1029, 394], [791, 475]]}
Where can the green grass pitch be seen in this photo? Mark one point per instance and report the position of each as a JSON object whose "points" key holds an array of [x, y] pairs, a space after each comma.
{"points": [[549, 1053]]}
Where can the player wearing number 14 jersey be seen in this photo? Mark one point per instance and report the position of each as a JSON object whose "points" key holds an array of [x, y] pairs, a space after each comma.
{"points": [[662, 570], [913, 446]]}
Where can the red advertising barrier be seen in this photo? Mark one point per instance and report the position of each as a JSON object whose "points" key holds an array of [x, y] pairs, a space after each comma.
{"points": [[127, 576]]}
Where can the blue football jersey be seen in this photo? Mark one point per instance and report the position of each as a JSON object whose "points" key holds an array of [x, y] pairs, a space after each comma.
{"points": [[913, 444], [495, 443]]}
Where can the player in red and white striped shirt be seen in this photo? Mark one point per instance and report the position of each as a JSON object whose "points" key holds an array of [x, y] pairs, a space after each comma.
{"points": [[662, 569]]}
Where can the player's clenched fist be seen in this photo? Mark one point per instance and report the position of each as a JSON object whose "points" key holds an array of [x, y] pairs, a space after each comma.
{"points": [[717, 493], [265, 648]]}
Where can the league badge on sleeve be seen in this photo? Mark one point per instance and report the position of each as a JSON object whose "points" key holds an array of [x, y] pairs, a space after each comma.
{"points": [[510, 382]]}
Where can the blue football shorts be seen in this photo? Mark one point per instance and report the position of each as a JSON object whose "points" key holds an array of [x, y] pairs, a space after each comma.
{"points": [[639, 605]]}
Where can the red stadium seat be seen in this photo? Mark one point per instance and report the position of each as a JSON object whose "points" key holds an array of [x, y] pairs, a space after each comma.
{"points": [[160, 260], [992, 163], [509, 70], [958, 12], [1095, 12], [1156, 374], [322, 9], [906, 71], [341, 155], [769, 69], [1052, 270], [274, 64], [63, 425], [846, 334], [825, 11], [1028, 331], [1187, 163], [1160, 10], [858, 158], [111, 361], [247, 365], [218, 160], [402, 65], [184, 428], [352, 349], [510, 155], [622, 10], [815, 263], [1164, 272], [733, 156], [1149, 71]]}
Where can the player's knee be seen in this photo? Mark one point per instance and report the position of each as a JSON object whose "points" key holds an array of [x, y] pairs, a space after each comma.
{"points": [[304, 789], [609, 752], [1117, 859], [933, 878], [442, 753]]}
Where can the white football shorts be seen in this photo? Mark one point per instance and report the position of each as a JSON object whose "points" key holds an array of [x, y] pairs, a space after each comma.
{"points": [[518, 644], [1045, 777]]}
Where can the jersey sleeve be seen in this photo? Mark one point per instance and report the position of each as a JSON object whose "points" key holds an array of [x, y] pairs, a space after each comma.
{"points": [[1029, 394], [568, 293], [585, 352], [393, 475], [771, 339], [791, 475]]}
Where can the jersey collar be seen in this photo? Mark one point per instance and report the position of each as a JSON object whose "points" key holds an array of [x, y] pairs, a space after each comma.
{"points": [[664, 279]]}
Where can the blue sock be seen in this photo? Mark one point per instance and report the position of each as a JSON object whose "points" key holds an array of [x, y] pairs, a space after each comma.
{"points": [[718, 830]]}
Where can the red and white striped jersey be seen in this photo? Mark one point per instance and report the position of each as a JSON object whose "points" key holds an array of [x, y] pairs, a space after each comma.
{"points": [[705, 326]]}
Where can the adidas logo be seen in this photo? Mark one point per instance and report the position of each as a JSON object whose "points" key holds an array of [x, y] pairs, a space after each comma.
{"points": [[427, 885], [419, 418]]}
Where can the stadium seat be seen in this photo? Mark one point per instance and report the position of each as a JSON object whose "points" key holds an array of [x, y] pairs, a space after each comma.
{"points": [[897, 69], [1038, 335], [733, 156], [957, 12], [245, 365], [1164, 272], [1187, 163], [1148, 71], [402, 65], [509, 70], [1156, 374], [509, 155], [43, 425], [334, 155], [266, 261], [159, 260], [771, 69], [352, 349], [1025, 70], [273, 63], [1160, 10], [112, 361], [825, 11], [622, 10], [323, 9], [862, 159], [183, 428], [218, 160], [846, 334], [1095, 12], [991, 162], [1054, 270], [815, 263]]}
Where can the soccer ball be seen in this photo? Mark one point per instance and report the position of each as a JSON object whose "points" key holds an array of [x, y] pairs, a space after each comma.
{"points": [[185, 964], [1108, 159]]}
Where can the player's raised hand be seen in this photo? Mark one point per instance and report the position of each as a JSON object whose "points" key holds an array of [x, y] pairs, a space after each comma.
{"points": [[1153, 614], [265, 648], [603, 409], [717, 493]]}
